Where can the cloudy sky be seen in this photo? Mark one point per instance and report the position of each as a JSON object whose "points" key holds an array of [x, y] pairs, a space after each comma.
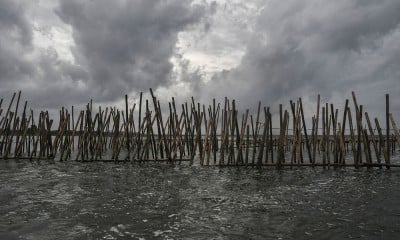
{"points": [[65, 52]]}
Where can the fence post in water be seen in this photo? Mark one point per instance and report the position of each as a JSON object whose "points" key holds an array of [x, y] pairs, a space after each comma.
{"points": [[270, 136], [223, 133], [387, 127], [16, 107], [300, 137], [396, 131], [381, 143], [340, 144], [255, 133], [378, 157], [242, 135], [127, 126], [324, 142], [281, 149], [357, 160], [361, 134], [293, 145], [316, 131], [368, 150], [73, 127], [260, 155], [305, 131], [334, 135], [207, 143], [280, 116], [352, 137], [247, 144], [214, 132], [328, 121], [341, 158], [139, 141]]}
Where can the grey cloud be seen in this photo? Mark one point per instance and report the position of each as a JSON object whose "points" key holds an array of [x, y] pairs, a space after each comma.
{"points": [[126, 45], [14, 24], [119, 47], [302, 48], [41, 77], [15, 37]]}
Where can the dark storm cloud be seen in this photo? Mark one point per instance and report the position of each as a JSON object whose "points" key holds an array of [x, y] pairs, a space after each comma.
{"points": [[126, 45], [14, 23], [43, 78], [15, 37], [302, 48], [119, 47]]}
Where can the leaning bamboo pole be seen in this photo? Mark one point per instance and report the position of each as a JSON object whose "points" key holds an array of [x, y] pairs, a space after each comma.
{"points": [[396, 131]]}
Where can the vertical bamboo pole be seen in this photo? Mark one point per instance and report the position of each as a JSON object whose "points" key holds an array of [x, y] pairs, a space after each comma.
{"points": [[387, 126], [260, 155], [281, 150], [359, 135], [382, 143], [247, 144], [139, 142], [293, 145], [316, 130], [270, 136], [127, 126], [242, 136], [324, 143], [352, 137]]}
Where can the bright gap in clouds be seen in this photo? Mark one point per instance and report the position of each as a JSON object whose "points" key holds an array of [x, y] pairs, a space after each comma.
{"points": [[54, 38], [218, 42], [49, 32]]}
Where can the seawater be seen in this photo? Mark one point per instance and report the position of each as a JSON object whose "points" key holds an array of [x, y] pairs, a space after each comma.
{"points": [[71, 200]]}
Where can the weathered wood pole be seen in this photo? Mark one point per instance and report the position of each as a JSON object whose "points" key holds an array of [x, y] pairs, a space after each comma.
{"points": [[387, 127], [305, 132], [127, 125]]}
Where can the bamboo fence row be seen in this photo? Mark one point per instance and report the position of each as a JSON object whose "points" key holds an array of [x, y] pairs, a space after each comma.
{"points": [[198, 134]]}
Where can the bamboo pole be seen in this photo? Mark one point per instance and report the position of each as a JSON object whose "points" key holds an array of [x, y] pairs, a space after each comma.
{"points": [[127, 126], [263, 141], [382, 144], [396, 131], [371, 132], [305, 132], [316, 129], [387, 126], [281, 153]]}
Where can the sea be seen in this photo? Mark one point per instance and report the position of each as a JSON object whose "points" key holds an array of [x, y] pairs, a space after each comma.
{"points": [[95, 200]]}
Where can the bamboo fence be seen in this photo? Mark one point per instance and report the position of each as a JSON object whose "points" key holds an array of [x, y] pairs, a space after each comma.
{"points": [[213, 135]]}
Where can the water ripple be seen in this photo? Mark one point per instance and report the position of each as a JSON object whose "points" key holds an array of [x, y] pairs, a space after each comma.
{"points": [[127, 201]]}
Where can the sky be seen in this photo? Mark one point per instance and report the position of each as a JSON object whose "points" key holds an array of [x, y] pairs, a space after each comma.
{"points": [[66, 52]]}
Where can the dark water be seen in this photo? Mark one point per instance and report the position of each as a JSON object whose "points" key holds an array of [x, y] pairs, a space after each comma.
{"points": [[42, 200]]}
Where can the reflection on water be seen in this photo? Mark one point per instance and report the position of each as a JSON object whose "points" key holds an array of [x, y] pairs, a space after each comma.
{"points": [[42, 200]]}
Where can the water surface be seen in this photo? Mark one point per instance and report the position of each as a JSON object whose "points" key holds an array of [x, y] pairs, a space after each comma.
{"points": [[69, 200]]}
